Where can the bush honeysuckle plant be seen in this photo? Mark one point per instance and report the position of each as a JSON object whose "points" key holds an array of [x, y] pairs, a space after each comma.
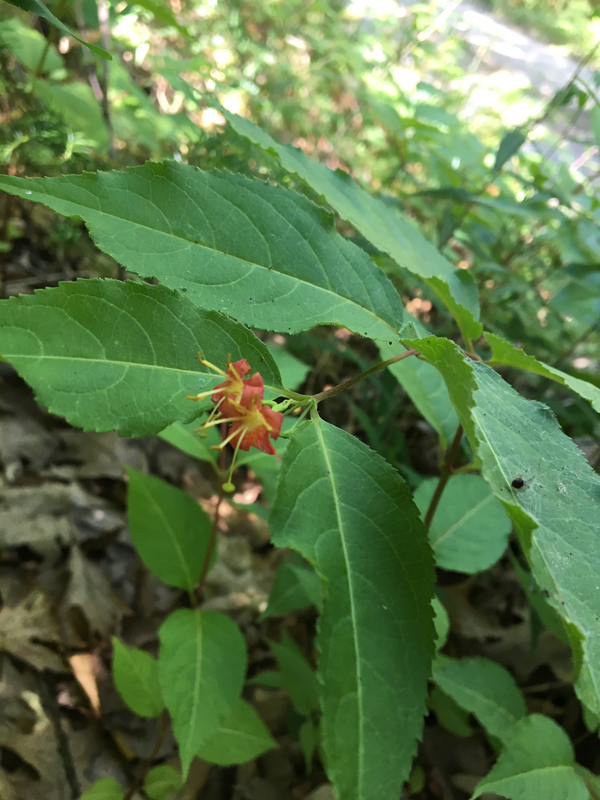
{"points": [[178, 358]]}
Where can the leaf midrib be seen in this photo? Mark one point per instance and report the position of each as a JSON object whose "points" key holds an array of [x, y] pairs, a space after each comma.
{"points": [[197, 675], [471, 512], [127, 364], [321, 439]]}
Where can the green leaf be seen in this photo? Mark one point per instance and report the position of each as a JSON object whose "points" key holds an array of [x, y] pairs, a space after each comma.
{"points": [[483, 688], [295, 586], [505, 353], [470, 527], [270, 678], [450, 715], [182, 436], [77, 105], [28, 45], [37, 7], [241, 737], [308, 736], [555, 513], [104, 789], [298, 676], [346, 510], [376, 221], [546, 614], [110, 355], [537, 761], [162, 782], [510, 144], [427, 390], [201, 667], [293, 371], [135, 674], [441, 622], [170, 531], [595, 123], [163, 14], [557, 510], [262, 253]]}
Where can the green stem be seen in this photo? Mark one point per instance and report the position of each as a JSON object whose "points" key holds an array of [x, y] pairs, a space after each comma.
{"points": [[445, 474], [40, 67], [347, 384]]}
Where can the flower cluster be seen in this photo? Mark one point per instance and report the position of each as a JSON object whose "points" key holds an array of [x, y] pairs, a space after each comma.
{"points": [[239, 400]]}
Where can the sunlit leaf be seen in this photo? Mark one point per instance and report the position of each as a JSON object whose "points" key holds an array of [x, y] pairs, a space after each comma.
{"points": [[169, 529]]}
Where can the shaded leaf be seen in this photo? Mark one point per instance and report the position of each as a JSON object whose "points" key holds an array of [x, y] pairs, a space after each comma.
{"points": [[27, 45], [449, 714], [299, 678], [427, 390], [483, 688], [537, 761], [170, 531], [510, 144], [470, 527], [182, 436], [295, 586], [262, 253], [162, 782], [135, 674], [104, 789], [111, 355], [375, 632], [441, 621], [77, 105], [241, 737], [308, 736], [293, 371], [270, 678], [202, 663]]}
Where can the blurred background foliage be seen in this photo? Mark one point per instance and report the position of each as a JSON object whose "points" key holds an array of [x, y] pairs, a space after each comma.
{"points": [[499, 173]]}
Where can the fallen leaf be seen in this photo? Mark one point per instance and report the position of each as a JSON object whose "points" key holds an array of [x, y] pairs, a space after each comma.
{"points": [[25, 627], [90, 592], [38, 516], [84, 666]]}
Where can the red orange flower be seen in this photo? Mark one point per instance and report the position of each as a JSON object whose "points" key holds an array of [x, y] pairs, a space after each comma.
{"points": [[239, 400]]}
